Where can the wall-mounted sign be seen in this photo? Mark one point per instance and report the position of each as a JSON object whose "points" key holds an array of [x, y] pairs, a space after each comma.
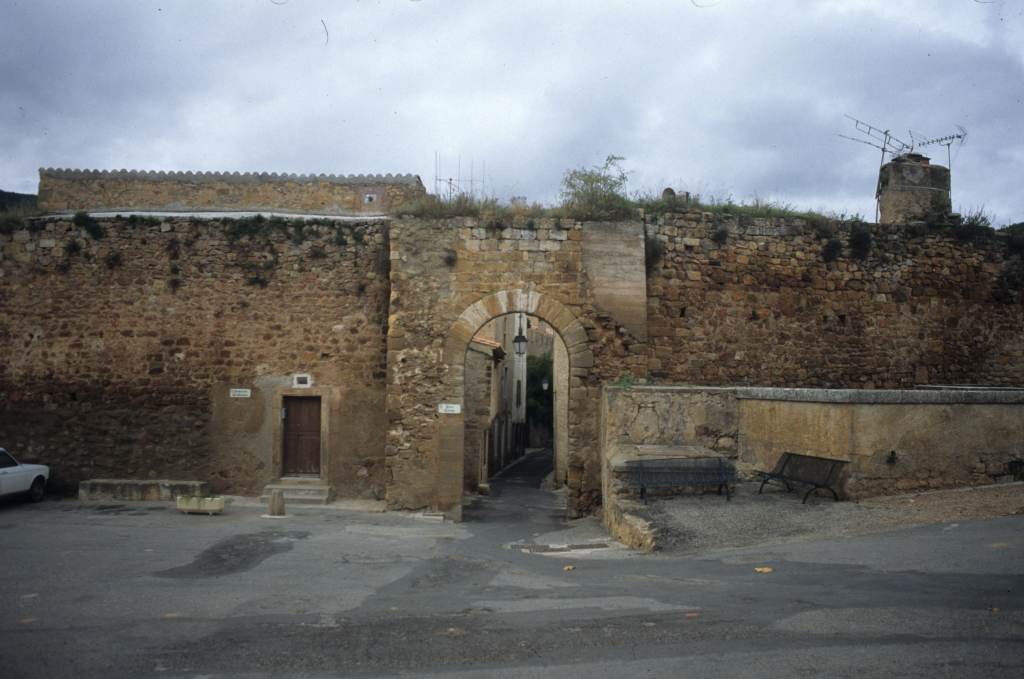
{"points": [[240, 393], [449, 408], [302, 380]]}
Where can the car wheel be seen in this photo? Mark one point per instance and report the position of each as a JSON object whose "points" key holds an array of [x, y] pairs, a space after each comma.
{"points": [[38, 489]]}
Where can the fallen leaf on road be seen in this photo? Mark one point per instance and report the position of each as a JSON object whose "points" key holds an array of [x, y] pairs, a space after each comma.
{"points": [[763, 569], [27, 621], [569, 567], [692, 615]]}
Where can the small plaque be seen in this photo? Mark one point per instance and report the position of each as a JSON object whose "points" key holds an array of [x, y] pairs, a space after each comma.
{"points": [[449, 408], [241, 393]]}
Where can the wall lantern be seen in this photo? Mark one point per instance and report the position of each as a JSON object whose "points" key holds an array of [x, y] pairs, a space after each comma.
{"points": [[520, 341], [544, 384]]}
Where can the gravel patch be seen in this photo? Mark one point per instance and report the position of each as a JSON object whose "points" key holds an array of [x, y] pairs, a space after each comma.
{"points": [[699, 522]]}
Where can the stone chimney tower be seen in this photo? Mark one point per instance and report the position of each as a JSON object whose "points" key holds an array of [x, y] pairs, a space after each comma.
{"points": [[911, 189]]}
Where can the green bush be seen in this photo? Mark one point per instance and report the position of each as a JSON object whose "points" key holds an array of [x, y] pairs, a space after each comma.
{"points": [[860, 241], [1016, 243], [597, 193], [257, 281], [833, 248], [113, 260], [90, 225], [720, 236], [976, 226], [9, 224], [1009, 286]]}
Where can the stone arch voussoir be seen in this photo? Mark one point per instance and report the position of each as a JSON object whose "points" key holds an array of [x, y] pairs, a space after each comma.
{"points": [[461, 332]]}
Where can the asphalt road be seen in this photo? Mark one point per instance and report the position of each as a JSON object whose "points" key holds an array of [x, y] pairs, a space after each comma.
{"points": [[140, 590]]}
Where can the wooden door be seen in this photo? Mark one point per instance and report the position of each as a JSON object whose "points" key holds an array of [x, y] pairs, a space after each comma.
{"points": [[301, 436]]}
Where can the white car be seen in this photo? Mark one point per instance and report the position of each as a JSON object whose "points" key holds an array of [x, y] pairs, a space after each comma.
{"points": [[18, 478]]}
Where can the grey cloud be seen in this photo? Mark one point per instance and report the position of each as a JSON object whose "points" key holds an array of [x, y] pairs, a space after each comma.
{"points": [[740, 98]]}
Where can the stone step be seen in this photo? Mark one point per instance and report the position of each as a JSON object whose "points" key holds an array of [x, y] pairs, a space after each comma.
{"points": [[300, 494]]}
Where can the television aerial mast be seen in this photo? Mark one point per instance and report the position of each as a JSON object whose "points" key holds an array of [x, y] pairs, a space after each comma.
{"points": [[886, 142]]}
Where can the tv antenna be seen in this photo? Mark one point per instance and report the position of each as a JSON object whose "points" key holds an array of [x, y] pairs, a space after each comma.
{"points": [[959, 138], [452, 187], [881, 139], [886, 142]]}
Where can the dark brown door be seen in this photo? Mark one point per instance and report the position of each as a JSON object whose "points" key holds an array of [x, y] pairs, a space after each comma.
{"points": [[301, 436]]}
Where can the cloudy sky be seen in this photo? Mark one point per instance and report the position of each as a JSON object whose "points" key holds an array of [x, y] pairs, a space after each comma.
{"points": [[719, 97]]}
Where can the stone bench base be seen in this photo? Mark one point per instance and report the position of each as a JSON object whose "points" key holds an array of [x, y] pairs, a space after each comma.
{"points": [[131, 489]]}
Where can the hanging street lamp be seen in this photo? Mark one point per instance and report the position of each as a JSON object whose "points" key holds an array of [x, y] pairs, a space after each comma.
{"points": [[520, 341]]}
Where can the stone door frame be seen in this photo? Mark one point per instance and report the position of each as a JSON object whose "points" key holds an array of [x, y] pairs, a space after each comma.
{"points": [[448, 482], [277, 428]]}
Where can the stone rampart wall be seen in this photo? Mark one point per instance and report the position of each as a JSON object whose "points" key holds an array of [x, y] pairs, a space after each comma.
{"points": [[120, 352], [753, 302], [92, 190]]}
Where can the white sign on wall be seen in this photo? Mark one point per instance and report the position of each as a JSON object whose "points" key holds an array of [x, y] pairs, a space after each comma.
{"points": [[240, 393], [449, 408]]}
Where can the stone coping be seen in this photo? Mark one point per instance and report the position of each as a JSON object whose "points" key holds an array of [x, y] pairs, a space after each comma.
{"points": [[883, 396], [937, 395], [233, 177]]}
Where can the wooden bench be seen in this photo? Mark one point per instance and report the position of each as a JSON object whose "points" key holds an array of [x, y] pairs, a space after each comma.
{"points": [[805, 470], [678, 472]]}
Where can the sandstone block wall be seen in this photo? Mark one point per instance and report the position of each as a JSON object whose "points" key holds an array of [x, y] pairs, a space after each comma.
{"points": [[479, 380], [941, 438], [911, 189], [93, 190], [119, 354], [752, 302], [449, 278]]}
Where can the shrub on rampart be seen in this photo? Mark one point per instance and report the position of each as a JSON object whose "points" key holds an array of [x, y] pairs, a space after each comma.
{"points": [[89, 225], [832, 249], [860, 241], [597, 193]]}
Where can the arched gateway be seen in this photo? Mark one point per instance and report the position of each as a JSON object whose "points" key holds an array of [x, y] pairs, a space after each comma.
{"points": [[447, 282], [445, 491]]}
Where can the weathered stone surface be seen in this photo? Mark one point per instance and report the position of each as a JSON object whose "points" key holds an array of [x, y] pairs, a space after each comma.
{"points": [[71, 190], [116, 377], [122, 357], [133, 489], [768, 310], [275, 506]]}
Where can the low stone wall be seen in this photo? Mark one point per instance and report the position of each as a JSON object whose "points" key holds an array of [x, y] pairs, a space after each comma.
{"points": [[71, 190], [894, 440], [658, 422]]}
